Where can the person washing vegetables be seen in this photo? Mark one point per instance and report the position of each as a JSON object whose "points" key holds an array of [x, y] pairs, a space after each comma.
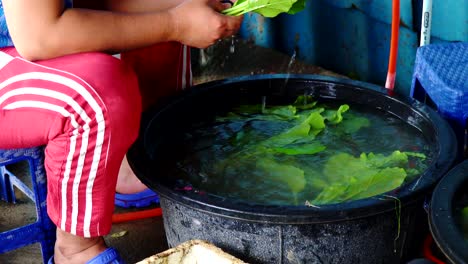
{"points": [[60, 87]]}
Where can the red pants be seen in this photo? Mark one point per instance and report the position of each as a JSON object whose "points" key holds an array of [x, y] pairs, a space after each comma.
{"points": [[170, 73], [86, 109]]}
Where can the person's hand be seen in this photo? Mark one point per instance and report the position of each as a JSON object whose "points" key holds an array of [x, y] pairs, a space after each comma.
{"points": [[200, 24]]}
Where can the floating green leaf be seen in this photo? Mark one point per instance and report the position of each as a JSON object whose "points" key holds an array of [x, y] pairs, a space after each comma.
{"points": [[344, 176], [305, 102], [287, 112], [351, 123], [464, 221], [336, 116], [415, 154], [364, 176], [291, 175], [304, 149]]}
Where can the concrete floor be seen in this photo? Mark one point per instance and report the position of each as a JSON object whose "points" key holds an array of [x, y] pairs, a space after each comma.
{"points": [[141, 239], [144, 238]]}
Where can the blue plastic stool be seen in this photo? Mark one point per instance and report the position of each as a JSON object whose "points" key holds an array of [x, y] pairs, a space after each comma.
{"points": [[43, 230], [440, 79]]}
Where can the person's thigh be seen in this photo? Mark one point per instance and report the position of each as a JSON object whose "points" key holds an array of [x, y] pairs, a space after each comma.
{"points": [[86, 109]]}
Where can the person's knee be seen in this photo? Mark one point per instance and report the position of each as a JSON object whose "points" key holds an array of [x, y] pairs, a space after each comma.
{"points": [[117, 87], [124, 104]]}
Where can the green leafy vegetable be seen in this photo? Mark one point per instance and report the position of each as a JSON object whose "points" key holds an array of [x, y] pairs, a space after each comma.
{"points": [[351, 124], [266, 8], [305, 149], [365, 176], [305, 102], [311, 126], [287, 112], [415, 154], [291, 175], [280, 156], [464, 221], [335, 117]]}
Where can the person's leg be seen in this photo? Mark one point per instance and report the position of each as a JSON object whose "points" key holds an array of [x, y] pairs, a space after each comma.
{"points": [[75, 249], [127, 182], [163, 70], [87, 113]]}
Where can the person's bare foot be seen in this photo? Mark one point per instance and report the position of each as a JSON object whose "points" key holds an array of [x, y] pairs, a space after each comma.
{"points": [[71, 249], [127, 182]]}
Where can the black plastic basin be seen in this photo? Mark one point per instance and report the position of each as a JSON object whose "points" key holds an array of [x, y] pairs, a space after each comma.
{"points": [[362, 231], [449, 196]]}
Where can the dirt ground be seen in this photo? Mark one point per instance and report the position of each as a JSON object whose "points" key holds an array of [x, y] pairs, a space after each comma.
{"points": [[144, 238]]}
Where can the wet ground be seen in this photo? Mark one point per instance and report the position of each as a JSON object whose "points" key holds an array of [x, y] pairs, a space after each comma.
{"points": [[139, 239]]}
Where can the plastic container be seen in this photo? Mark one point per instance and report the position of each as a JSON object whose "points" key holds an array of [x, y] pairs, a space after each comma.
{"points": [[363, 231], [449, 195]]}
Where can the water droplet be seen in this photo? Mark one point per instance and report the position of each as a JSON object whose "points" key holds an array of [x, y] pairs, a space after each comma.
{"points": [[288, 70], [263, 103], [232, 47]]}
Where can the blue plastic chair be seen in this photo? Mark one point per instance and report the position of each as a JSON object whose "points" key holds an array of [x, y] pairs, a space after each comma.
{"points": [[43, 230], [440, 79]]}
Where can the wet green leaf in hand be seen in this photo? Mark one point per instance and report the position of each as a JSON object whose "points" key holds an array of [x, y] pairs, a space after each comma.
{"points": [[266, 8]]}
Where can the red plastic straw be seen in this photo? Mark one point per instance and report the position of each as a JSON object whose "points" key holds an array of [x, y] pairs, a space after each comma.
{"points": [[428, 252], [125, 217], [392, 61]]}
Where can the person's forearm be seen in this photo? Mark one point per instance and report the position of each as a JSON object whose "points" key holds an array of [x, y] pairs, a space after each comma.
{"points": [[81, 30], [128, 6], [102, 30], [43, 29], [140, 5]]}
